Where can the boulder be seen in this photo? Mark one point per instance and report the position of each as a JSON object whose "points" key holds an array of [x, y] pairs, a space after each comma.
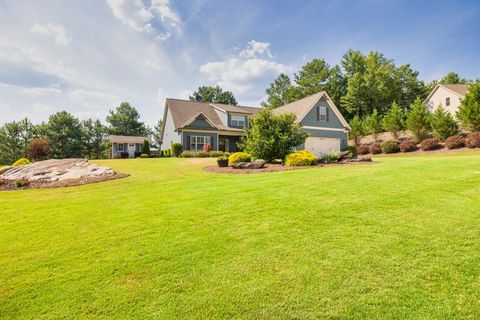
{"points": [[359, 159], [344, 155], [57, 170], [249, 165], [5, 169]]}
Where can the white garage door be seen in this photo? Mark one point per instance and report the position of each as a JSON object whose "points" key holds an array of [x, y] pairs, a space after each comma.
{"points": [[319, 146]]}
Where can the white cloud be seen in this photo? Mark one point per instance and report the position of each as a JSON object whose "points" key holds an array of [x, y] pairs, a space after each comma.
{"points": [[237, 73], [162, 95], [93, 99], [41, 108], [57, 32], [155, 64], [137, 16], [40, 91]]}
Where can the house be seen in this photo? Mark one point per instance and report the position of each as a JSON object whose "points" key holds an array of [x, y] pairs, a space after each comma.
{"points": [[195, 124], [447, 95], [127, 146]]}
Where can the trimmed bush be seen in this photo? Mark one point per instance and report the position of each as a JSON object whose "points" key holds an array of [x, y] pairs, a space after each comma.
{"points": [[215, 154], [21, 162], [473, 140], [239, 157], [145, 149], [429, 144], [375, 148], [353, 150], [391, 146], [177, 149], [329, 157], [455, 142], [144, 155], [408, 145], [300, 158], [363, 149]]}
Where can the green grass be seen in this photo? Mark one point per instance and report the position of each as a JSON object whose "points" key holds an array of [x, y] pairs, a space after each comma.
{"points": [[398, 239]]}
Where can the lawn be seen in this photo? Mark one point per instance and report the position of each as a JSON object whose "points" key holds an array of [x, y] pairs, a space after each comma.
{"points": [[398, 239]]}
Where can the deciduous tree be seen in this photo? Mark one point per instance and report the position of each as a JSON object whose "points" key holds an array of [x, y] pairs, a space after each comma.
{"points": [[213, 94], [125, 120]]}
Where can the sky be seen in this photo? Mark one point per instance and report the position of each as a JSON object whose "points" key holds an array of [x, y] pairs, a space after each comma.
{"points": [[87, 56]]}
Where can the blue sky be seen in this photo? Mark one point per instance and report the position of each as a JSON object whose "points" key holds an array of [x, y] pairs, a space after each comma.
{"points": [[87, 56]]}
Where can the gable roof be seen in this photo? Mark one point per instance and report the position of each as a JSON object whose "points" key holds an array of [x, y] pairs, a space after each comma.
{"points": [[459, 89], [185, 112], [303, 106], [129, 139]]}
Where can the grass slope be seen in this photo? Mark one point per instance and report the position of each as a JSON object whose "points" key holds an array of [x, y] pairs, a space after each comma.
{"points": [[398, 239]]}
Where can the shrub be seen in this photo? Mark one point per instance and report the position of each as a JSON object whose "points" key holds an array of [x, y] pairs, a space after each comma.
{"points": [[408, 145], [393, 121], [188, 154], [443, 124], [372, 124], [418, 120], [21, 162], [363, 149], [239, 157], [353, 150], [207, 148], [455, 142], [38, 149], [144, 155], [20, 183], [300, 158], [429, 144], [473, 140], [329, 157], [215, 154], [201, 154], [176, 149], [145, 149], [375, 148], [391, 146]]}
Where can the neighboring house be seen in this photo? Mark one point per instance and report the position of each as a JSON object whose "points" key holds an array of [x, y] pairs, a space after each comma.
{"points": [[194, 124], [321, 119], [129, 146], [447, 95]]}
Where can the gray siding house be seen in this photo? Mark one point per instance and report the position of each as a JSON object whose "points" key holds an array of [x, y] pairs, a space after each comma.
{"points": [[195, 124], [130, 146]]}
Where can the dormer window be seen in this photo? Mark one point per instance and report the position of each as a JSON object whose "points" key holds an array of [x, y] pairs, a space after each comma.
{"points": [[447, 101], [237, 121]]}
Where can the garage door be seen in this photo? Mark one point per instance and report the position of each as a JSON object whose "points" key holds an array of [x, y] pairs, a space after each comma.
{"points": [[320, 146]]}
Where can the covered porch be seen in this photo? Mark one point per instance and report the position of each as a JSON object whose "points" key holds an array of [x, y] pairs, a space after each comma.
{"points": [[228, 143]]}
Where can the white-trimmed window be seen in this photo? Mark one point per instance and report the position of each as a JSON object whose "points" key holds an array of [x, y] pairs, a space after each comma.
{"points": [[322, 114], [237, 121], [120, 147], [198, 142], [447, 101]]}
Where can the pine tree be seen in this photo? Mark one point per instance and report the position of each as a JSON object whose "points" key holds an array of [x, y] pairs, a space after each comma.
{"points": [[146, 147], [373, 124], [443, 124], [469, 111], [357, 129], [418, 120], [393, 121]]}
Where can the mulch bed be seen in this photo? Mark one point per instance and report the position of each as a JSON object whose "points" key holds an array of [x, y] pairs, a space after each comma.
{"points": [[274, 168], [9, 185]]}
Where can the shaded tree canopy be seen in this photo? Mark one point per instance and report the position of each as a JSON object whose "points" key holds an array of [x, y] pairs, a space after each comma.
{"points": [[125, 121], [453, 78], [213, 94]]}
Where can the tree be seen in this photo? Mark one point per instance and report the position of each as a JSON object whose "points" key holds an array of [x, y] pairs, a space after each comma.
{"points": [[373, 124], [393, 120], [312, 77], [353, 61], [38, 149], [357, 129], [125, 121], [157, 134], [443, 124], [213, 94], [64, 133], [469, 111], [418, 120], [146, 147], [14, 140], [408, 87], [95, 139], [453, 78], [279, 93], [272, 136]]}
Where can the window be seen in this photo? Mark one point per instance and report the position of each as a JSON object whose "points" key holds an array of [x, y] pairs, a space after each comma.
{"points": [[237, 121], [198, 142], [447, 101], [322, 114], [120, 147]]}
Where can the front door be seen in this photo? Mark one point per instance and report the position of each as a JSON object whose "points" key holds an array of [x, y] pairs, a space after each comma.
{"points": [[223, 145], [131, 151]]}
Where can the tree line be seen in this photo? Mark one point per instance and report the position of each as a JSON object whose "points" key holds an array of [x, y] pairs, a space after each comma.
{"points": [[65, 136]]}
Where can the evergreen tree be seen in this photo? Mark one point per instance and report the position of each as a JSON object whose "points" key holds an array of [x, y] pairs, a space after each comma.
{"points": [[15, 138], [373, 124], [443, 124], [125, 121], [279, 93], [418, 120], [469, 111], [94, 139], [213, 94], [393, 121], [157, 134], [357, 129], [65, 135], [146, 147]]}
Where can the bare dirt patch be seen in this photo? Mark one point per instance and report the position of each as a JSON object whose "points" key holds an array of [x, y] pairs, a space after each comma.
{"points": [[275, 168]]}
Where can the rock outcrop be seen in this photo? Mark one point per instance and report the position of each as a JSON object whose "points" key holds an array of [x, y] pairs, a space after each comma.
{"points": [[249, 165], [57, 170]]}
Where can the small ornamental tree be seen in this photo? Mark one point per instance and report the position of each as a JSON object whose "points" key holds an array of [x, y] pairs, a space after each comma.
{"points": [[393, 120], [207, 148], [469, 111], [272, 136], [373, 124], [38, 149], [146, 147], [418, 120], [357, 129], [443, 124]]}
